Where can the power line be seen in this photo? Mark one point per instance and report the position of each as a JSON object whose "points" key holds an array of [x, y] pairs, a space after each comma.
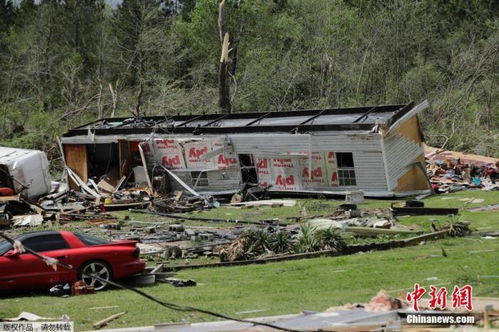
{"points": [[52, 262]]}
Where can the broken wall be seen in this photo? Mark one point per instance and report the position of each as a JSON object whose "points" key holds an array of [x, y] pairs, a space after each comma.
{"points": [[321, 168], [405, 158], [206, 164], [288, 166]]}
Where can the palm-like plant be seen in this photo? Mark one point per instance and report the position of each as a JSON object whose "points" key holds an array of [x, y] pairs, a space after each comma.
{"points": [[306, 241], [281, 242], [330, 239]]}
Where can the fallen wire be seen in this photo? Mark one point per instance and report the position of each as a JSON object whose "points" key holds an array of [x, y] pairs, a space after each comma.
{"points": [[54, 262]]}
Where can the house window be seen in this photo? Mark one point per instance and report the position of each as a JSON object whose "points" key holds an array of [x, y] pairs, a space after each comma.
{"points": [[199, 179], [346, 171], [248, 169]]}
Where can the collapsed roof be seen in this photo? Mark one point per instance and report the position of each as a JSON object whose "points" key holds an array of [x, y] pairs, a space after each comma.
{"points": [[357, 118]]}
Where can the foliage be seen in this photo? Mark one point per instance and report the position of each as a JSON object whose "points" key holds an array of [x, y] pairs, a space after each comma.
{"points": [[279, 287], [306, 241], [69, 62], [255, 242], [312, 239], [258, 242]]}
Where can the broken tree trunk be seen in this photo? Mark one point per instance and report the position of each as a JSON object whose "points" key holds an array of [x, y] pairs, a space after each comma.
{"points": [[223, 72]]}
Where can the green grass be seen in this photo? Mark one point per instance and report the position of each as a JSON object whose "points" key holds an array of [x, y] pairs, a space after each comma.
{"points": [[317, 207], [289, 287], [286, 287]]}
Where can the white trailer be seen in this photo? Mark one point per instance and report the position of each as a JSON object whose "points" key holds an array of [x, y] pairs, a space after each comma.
{"points": [[22, 168]]}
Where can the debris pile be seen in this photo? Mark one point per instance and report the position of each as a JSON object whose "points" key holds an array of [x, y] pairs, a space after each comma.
{"points": [[178, 203], [451, 171]]}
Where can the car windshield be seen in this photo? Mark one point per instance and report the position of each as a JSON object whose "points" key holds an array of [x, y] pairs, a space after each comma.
{"points": [[4, 247], [90, 240]]}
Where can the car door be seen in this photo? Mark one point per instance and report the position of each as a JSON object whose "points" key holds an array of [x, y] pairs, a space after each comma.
{"points": [[28, 271]]}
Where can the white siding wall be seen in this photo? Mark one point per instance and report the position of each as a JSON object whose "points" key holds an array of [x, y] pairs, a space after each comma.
{"points": [[369, 170], [366, 149], [218, 180], [400, 153], [277, 143]]}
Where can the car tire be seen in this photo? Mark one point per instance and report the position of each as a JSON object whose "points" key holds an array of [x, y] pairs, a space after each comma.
{"points": [[102, 269]]}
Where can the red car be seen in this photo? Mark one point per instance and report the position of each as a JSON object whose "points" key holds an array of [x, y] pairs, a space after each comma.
{"points": [[111, 260]]}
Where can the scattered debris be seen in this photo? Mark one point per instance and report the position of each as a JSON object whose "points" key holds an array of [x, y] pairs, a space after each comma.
{"points": [[105, 321], [451, 171], [383, 302], [458, 229], [492, 207], [62, 290], [269, 202], [27, 220], [217, 220], [421, 211], [27, 316], [491, 234], [180, 283], [81, 288]]}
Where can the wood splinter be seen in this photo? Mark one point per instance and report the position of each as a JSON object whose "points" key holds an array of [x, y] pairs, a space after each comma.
{"points": [[108, 320]]}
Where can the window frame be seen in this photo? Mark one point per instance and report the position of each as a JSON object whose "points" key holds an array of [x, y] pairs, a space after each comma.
{"points": [[199, 179], [89, 239], [41, 236], [347, 176]]}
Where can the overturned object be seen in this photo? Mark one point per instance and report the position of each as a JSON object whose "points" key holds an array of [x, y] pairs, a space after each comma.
{"points": [[25, 171], [213, 154]]}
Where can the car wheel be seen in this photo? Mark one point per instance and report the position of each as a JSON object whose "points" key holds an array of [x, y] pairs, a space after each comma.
{"points": [[98, 268]]}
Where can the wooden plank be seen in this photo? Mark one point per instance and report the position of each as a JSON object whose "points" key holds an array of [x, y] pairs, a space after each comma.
{"points": [[76, 159], [369, 231], [107, 320], [9, 198], [423, 211], [125, 157]]}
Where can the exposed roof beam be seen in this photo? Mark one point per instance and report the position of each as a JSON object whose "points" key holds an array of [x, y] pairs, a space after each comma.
{"points": [[313, 117], [190, 120], [258, 119], [215, 121], [414, 111], [365, 115]]}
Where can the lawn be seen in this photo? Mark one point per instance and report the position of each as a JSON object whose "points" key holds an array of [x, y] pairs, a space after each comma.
{"points": [[313, 284]]}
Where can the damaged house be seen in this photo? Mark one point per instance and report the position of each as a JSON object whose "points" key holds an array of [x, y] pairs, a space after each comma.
{"points": [[378, 150]]}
